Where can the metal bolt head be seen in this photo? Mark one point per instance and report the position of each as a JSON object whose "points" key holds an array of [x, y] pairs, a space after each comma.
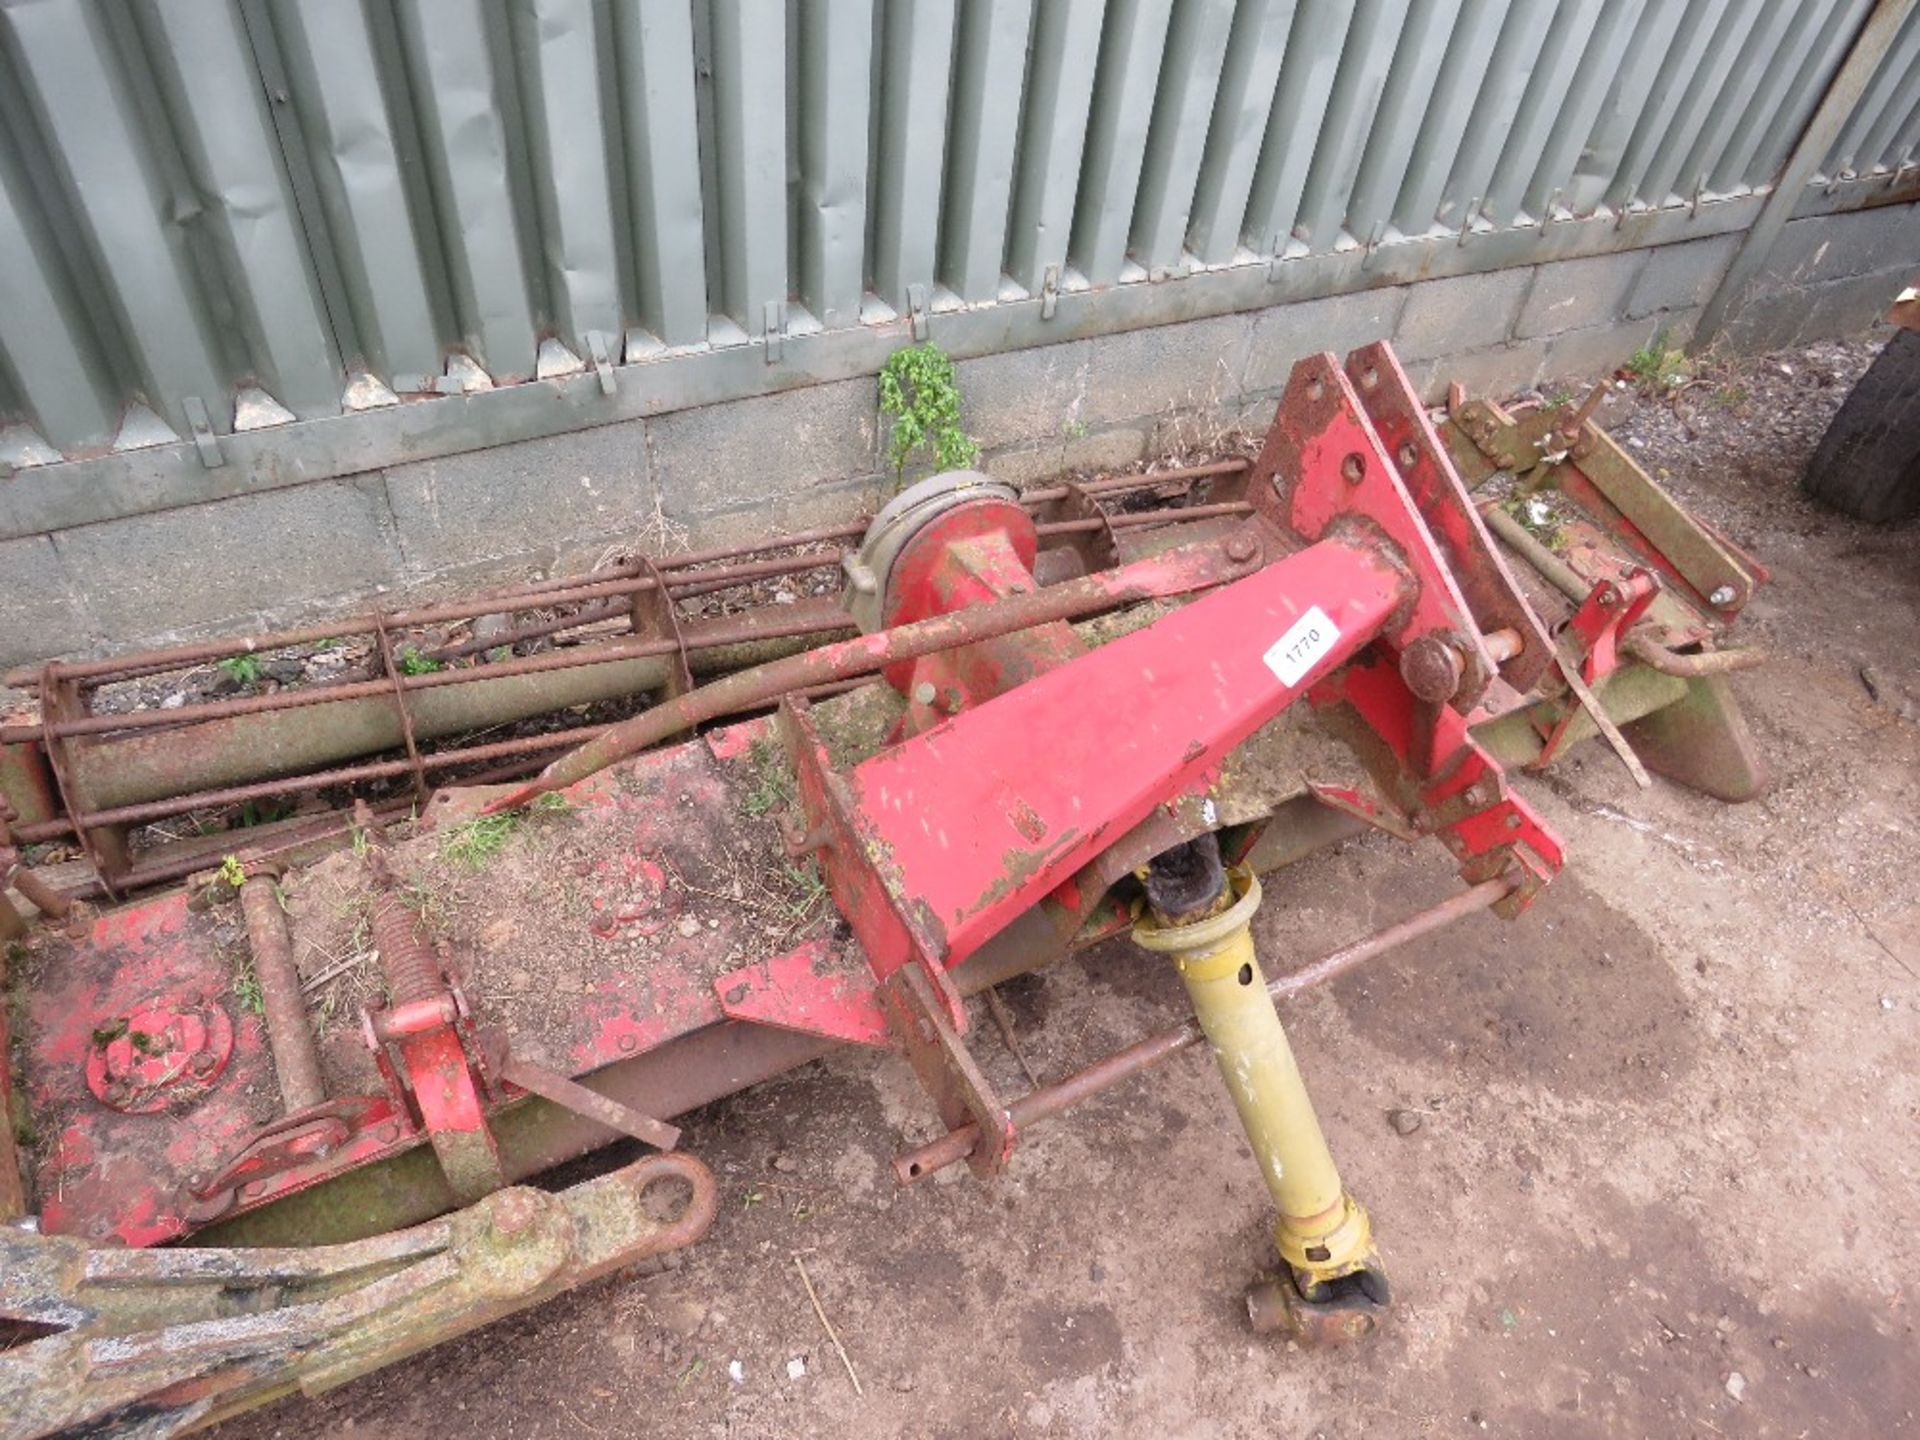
{"points": [[923, 693], [1431, 669], [514, 1211], [1241, 548], [1722, 596]]}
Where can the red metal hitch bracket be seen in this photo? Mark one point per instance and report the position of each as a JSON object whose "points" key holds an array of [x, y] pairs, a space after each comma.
{"points": [[1599, 628], [1467, 802], [1325, 471], [276, 1150], [1452, 519]]}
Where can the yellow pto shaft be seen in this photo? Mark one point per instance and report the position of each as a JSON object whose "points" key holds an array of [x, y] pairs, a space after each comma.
{"points": [[1321, 1232]]}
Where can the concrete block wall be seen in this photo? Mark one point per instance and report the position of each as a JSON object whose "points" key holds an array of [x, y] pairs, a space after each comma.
{"points": [[748, 468], [1828, 276]]}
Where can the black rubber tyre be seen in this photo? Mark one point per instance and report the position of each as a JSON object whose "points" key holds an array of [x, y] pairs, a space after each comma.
{"points": [[1868, 463]]}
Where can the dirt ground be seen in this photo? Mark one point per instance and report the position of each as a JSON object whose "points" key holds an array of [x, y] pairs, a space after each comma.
{"points": [[1664, 1180]]}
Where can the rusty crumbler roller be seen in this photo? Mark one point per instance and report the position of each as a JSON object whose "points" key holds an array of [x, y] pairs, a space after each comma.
{"points": [[1086, 729]]}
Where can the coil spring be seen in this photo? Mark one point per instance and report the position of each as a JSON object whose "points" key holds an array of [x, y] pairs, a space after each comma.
{"points": [[412, 971]]}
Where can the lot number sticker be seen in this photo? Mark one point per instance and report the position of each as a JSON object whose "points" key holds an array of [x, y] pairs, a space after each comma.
{"points": [[1307, 640]]}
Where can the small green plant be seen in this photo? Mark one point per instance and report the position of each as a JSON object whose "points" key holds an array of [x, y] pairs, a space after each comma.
{"points": [[476, 841], [332, 642], [260, 812], [772, 787], [243, 670], [1656, 368], [919, 394], [430, 905], [246, 988], [233, 872], [1536, 518], [1730, 397], [412, 662], [805, 888], [1074, 429]]}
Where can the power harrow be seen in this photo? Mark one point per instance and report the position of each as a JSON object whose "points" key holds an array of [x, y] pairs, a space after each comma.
{"points": [[276, 1126]]}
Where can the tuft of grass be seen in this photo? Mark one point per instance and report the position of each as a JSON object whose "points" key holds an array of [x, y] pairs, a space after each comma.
{"points": [[246, 988], [805, 889], [412, 662], [1657, 368], [772, 787], [233, 872], [474, 842], [429, 904]]}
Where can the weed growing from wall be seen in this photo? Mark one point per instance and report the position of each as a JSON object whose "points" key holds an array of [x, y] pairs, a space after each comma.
{"points": [[919, 394]]}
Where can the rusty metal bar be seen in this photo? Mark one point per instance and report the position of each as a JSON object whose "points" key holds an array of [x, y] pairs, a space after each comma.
{"points": [[1114, 484], [46, 899], [1178, 571], [309, 833], [1555, 571], [159, 764], [296, 1056], [594, 614], [391, 673], [1103, 1074], [1502, 645], [851, 530], [1651, 652], [570, 1094], [1140, 519]]}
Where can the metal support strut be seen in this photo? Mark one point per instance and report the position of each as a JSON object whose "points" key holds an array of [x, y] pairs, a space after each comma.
{"points": [[1336, 1287]]}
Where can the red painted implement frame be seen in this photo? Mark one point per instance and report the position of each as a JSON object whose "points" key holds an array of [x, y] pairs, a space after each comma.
{"points": [[1354, 571]]}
